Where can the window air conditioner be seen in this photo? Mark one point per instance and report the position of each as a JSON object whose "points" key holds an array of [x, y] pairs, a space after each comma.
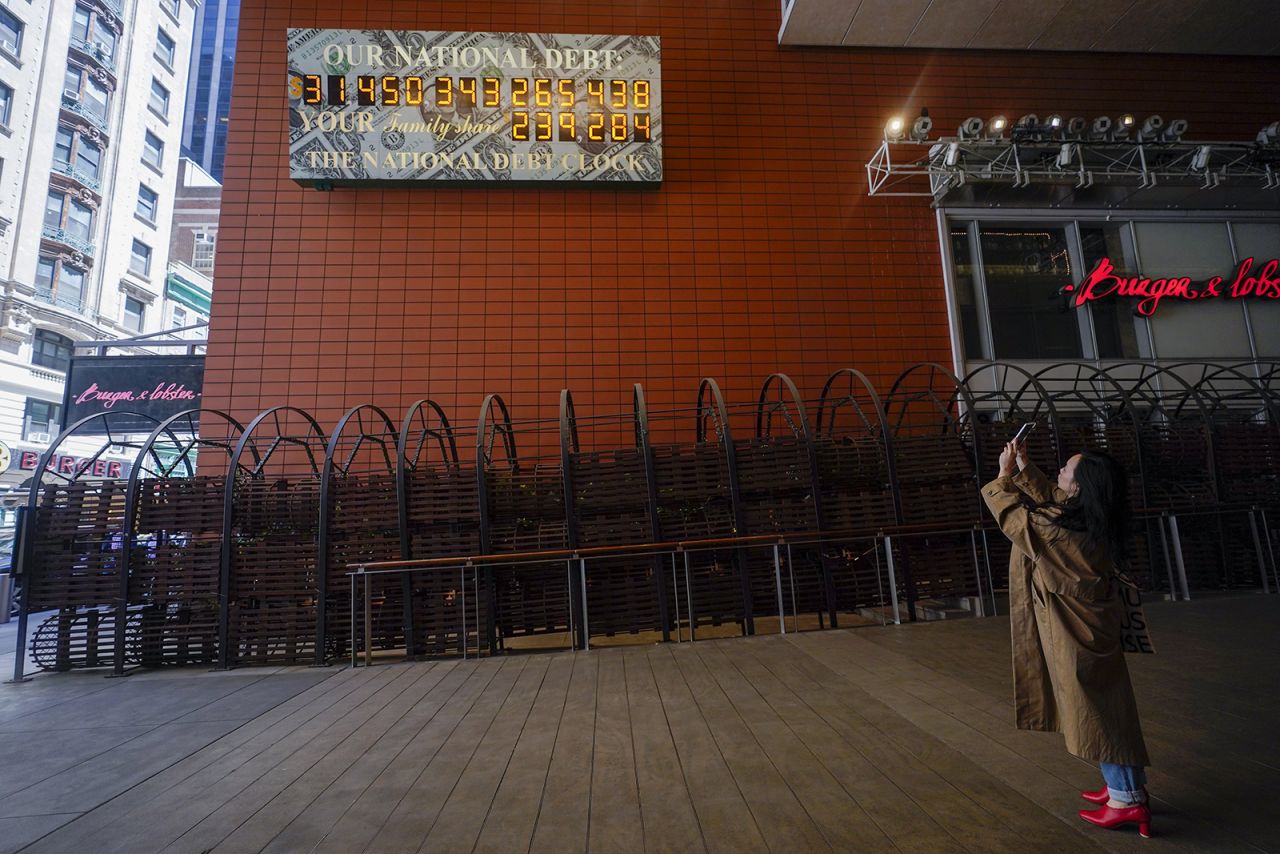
{"points": [[9, 47], [39, 438], [70, 95], [101, 49]]}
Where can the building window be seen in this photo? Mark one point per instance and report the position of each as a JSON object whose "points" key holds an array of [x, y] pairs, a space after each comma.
{"points": [[40, 421], [152, 150], [10, 33], [179, 318], [73, 151], [6, 104], [1008, 281], [203, 249], [59, 283], [173, 7], [51, 350], [69, 214], [159, 98], [89, 27], [1182, 330], [166, 49], [140, 259], [80, 86], [148, 203], [134, 311]]}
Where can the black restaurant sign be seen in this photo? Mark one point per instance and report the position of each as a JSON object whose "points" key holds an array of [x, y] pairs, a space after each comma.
{"points": [[154, 386]]}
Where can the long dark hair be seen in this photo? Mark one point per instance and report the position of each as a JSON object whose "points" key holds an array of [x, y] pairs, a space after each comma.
{"points": [[1100, 509]]}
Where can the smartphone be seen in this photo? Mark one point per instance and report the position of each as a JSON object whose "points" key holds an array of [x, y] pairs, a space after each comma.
{"points": [[1024, 431]]}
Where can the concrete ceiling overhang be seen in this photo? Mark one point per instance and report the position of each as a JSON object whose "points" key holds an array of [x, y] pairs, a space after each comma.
{"points": [[1240, 27]]}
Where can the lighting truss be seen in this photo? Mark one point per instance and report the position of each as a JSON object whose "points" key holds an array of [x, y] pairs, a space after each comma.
{"points": [[907, 167]]}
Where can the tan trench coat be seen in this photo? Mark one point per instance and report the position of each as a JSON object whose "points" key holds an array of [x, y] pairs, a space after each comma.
{"points": [[1069, 672]]}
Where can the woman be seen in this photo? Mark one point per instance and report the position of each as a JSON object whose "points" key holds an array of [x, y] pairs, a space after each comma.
{"points": [[1069, 670]]}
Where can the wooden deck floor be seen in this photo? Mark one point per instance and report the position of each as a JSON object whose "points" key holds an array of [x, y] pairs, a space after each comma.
{"points": [[871, 739]]}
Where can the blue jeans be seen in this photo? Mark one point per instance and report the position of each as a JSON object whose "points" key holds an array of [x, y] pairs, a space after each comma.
{"points": [[1125, 782]]}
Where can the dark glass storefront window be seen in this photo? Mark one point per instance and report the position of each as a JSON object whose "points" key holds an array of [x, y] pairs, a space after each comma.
{"points": [[962, 264], [1026, 269], [1113, 327]]}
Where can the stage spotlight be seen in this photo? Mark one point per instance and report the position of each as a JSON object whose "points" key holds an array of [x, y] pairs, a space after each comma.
{"points": [[1054, 124], [1151, 128], [1123, 126], [1269, 134], [1076, 127], [1200, 160], [971, 128], [1174, 130], [1030, 120], [1066, 154], [1101, 128], [895, 129], [920, 129], [996, 127]]}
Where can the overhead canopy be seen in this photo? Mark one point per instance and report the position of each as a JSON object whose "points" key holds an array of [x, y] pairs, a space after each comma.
{"points": [[1242, 27]]}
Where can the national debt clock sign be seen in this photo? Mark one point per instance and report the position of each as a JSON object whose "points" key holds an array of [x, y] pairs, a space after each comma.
{"points": [[406, 106]]}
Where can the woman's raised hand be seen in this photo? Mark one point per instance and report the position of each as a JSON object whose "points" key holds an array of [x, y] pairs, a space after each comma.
{"points": [[1023, 459], [1008, 459]]}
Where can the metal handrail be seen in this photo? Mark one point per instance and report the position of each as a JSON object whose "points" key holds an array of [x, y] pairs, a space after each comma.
{"points": [[61, 235]]}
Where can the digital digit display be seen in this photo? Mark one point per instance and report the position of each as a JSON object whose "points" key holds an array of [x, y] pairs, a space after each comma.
{"points": [[377, 105]]}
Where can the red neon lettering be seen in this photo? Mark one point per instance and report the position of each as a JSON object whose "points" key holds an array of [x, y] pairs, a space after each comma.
{"points": [[28, 460], [1102, 281], [113, 469]]}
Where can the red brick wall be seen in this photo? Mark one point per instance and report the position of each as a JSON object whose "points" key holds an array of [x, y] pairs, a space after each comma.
{"points": [[760, 252]]}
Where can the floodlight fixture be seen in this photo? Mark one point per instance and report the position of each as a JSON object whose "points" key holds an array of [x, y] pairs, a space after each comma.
{"points": [[971, 128], [895, 128], [1123, 126], [1076, 127], [1269, 134], [1174, 130], [1054, 124], [921, 127], [996, 127], [1101, 128], [1151, 128]]}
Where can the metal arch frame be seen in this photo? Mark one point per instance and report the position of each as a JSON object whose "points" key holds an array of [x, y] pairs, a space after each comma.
{"points": [[1100, 374], [228, 506], [569, 445], [326, 480], [877, 405], [133, 491], [715, 410], [951, 423], [640, 420], [484, 458], [26, 528], [1268, 372], [403, 467], [1032, 380], [764, 421], [764, 412], [1267, 401], [961, 391], [1206, 426]]}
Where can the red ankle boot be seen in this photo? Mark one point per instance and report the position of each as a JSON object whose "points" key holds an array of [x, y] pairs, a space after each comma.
{"points": [[1099, 797], [1109, 817]]}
